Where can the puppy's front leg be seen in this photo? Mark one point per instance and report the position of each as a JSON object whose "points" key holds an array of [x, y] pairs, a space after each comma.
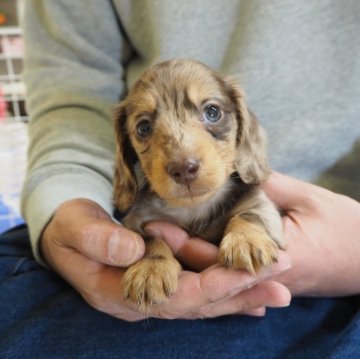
{"points": [[253, 235], [247, 246], [154, 278]]}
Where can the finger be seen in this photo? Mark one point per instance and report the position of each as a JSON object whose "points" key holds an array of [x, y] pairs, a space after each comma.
{"points": [[99, 284], [104, 292], [106, 242], [213, 285], [220, 283], [193, 252], [85, 227], [257, 312], [265, 294]]}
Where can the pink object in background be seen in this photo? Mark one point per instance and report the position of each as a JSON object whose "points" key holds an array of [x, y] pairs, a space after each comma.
{"points": [[2, 106], [12, 45]]}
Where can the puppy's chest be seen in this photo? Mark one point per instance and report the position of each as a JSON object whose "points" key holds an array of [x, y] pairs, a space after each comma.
{"points": [[197, 222], [207, 221]]}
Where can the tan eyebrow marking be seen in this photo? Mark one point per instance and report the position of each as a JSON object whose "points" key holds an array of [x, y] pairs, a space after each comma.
{"points": [[188, 103], [142, 103]]}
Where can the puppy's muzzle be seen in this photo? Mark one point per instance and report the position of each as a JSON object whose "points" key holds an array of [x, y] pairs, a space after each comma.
{"points": [[184, 172]]}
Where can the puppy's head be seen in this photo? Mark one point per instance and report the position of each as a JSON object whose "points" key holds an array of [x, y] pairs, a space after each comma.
{"points": [[190, 129]]}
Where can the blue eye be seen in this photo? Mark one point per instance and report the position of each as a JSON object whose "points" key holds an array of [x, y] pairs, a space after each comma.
{"points": [[144, 128], [212, 113]]}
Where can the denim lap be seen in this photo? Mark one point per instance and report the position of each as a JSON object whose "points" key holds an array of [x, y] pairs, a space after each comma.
{"points": [[41, 316]]}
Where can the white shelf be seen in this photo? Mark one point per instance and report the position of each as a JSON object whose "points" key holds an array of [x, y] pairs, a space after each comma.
{"points": [[10, 30], [13, 88], [7, 77], [10, 56]]}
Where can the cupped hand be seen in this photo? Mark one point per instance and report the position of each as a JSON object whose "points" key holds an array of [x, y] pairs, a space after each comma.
{"points": [[91, 252], [322, 229], [323, 233]]}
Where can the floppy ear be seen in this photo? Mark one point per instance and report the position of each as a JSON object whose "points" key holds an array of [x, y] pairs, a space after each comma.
{"points": [[125, 184], [251, 158]]}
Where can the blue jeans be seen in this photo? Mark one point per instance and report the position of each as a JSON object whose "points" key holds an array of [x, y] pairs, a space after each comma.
{"points": [[41, 316]]}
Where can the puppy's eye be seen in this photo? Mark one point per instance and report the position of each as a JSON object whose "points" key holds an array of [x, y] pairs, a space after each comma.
{"points": [[144, 128], [212, 113]]}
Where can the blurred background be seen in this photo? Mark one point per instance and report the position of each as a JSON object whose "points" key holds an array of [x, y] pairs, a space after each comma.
{"points": [[13, 118]]}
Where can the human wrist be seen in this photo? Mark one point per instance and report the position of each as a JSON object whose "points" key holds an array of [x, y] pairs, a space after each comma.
{"points": [[39, 205]]}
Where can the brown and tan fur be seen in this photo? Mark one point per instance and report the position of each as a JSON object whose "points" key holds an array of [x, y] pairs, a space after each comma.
{"points": [[202, 175]]}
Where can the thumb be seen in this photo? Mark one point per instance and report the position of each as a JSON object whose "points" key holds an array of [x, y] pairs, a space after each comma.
{"points": [[287, 192], [84, 226]]}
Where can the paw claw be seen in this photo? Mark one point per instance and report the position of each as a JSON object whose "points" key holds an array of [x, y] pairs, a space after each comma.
{"points": [[248, 251]]}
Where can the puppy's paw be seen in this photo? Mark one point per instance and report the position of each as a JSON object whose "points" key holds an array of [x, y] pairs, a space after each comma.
{"points": [[249, 249], [151, 281]]}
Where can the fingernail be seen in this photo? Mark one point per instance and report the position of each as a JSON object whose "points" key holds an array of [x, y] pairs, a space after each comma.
{"points": [[283, 264], [124, 248], [152, 230]]}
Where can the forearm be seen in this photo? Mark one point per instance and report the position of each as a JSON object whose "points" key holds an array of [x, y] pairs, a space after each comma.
{"points": [[59, 172], [73, 77]]}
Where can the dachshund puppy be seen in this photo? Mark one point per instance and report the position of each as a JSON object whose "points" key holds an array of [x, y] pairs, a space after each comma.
{"points": [[187, 131]]}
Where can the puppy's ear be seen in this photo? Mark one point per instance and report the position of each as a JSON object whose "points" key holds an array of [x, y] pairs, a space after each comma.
{"points": [[251, 159], [125, 184]]}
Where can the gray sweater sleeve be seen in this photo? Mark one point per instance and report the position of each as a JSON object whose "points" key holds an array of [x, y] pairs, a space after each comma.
{"points": [[73, 76]]}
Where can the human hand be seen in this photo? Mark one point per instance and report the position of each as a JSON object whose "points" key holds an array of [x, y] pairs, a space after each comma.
{"points": [[90, 251], [323, 233], [226, 291]]}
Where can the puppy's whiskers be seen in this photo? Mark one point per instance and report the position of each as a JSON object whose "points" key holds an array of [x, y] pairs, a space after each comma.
{"points": [[147, 195]]}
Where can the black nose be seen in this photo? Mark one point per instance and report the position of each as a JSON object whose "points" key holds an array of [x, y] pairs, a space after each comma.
{"points": [[184, 172]]}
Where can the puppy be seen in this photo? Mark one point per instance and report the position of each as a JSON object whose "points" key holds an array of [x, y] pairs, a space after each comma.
{"points": [[201, 152]]}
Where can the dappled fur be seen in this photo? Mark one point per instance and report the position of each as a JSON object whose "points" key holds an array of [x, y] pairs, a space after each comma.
{"points": [[202, 175]]}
